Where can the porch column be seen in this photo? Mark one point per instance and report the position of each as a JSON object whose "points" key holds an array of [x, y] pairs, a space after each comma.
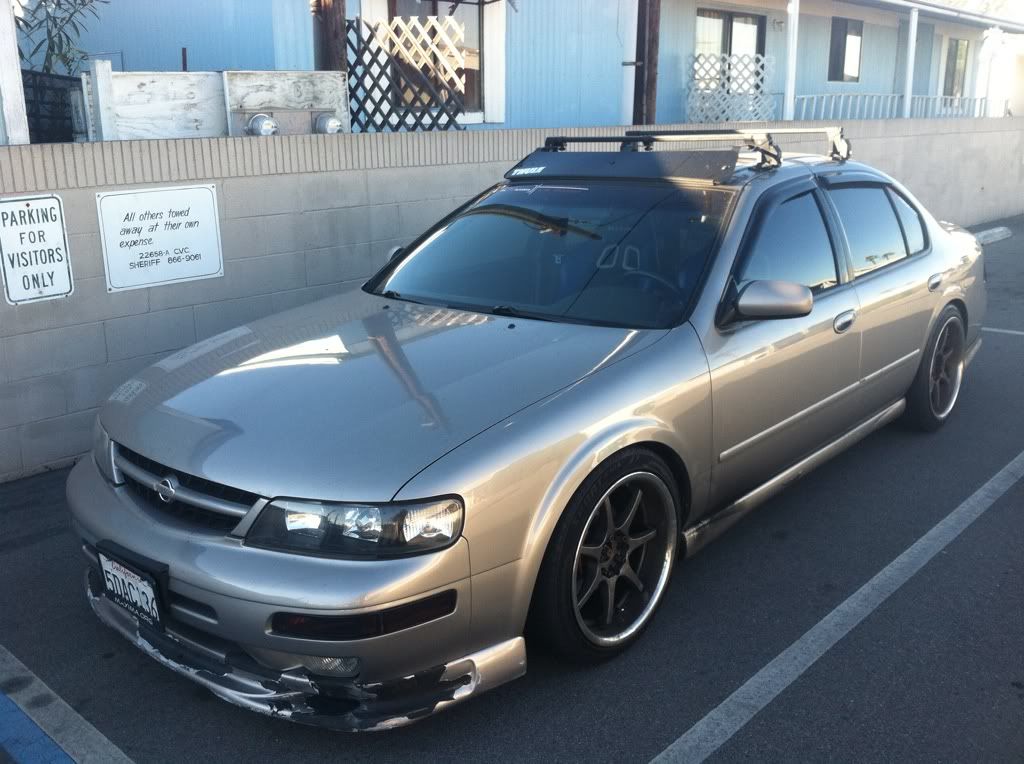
{"points": [[908, 80], [996, 68], [792, 33], [13, 121]]}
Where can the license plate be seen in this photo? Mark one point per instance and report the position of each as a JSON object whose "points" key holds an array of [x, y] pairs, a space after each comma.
{"points": [[134, 591]]}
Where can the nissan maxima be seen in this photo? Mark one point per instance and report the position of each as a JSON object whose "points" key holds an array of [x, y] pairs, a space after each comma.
{"points": [[354, 513]]}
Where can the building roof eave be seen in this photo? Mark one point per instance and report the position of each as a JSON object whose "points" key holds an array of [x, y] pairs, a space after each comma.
{"points": [[947, 12]]}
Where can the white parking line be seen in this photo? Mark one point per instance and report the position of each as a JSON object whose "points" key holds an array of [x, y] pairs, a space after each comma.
{"points": [[79, 739], [1002, 331], [715, 729]]}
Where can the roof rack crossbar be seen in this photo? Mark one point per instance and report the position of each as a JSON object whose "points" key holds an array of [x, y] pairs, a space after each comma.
{"points": [[762, 141]]}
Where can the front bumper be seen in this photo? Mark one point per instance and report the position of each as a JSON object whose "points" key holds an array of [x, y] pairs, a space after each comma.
{"points": [[339, 704], [218, 598]]}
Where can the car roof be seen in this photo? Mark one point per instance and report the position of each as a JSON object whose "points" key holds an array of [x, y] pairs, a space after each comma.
{"points": [[739, 156]]}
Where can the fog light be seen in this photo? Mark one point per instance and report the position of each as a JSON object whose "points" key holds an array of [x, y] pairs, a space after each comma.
{"points": [[261, 124], [328, 124], [331, 666]]}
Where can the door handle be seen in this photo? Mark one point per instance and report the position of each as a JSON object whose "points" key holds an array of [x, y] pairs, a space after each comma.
{"points": [[934, 282], [844, 321]]}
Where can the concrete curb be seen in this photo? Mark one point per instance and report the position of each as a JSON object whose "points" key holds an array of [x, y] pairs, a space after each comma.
{"points": [[992, 235]]}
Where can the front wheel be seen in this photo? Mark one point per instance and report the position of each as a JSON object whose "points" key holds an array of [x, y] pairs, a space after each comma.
{"points": [[609, 560], [936, 388]]}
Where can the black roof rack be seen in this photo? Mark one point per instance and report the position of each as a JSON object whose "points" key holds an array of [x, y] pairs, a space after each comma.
{"points": [[760, 140], [713, 165]]}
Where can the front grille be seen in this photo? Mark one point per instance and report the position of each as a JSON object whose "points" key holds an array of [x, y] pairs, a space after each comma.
{"points": [[184, 513], [194, 508]]}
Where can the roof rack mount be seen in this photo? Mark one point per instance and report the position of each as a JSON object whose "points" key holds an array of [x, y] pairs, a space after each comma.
{"points": [[761, 141]]}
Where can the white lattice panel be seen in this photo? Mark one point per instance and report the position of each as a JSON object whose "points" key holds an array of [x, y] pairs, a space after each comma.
{"points": [[432, 44], [727, 88]]}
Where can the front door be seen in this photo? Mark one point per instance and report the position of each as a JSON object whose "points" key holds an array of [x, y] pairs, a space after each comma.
{"points": [[782, 388]]}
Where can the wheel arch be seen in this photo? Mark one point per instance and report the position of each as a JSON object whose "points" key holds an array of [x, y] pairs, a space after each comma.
{"points": [[648, 434], [679, 471], [961, 306]]}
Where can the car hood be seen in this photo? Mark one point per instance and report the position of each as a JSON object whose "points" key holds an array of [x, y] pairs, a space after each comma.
{"points": [[348, 398]]}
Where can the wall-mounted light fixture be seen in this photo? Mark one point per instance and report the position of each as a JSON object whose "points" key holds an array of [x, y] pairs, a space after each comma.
{"points": [[261, 124], [328, 124]]}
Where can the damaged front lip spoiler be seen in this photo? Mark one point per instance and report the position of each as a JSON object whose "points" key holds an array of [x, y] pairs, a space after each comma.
{"points": [[371, 706]]}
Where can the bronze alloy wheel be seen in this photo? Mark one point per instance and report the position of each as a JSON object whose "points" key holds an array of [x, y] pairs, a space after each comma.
{"points": [[624, 558], [946, 371]]}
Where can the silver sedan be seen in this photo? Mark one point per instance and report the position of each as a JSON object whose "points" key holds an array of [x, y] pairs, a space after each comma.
{"points": [[351, 513]]}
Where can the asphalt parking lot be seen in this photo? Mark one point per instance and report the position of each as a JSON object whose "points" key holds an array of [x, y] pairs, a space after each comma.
{"points": [[934, 673]]}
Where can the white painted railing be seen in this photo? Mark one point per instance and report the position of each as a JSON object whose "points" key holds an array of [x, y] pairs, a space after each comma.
{"points": [[849, 106], [887, 106], [944, 107]]}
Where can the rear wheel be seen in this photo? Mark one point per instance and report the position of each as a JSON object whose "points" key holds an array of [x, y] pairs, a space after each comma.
{"points": [[609, 560], [936, 389]]}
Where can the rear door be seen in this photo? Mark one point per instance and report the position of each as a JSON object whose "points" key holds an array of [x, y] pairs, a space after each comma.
{"points": [[888, 249], [782, 388]]}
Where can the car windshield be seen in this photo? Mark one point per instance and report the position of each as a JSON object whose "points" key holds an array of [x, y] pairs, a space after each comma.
{"points": [[613, 254]]}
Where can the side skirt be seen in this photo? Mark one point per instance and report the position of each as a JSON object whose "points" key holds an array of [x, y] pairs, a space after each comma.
{"points": [[707, 530]]}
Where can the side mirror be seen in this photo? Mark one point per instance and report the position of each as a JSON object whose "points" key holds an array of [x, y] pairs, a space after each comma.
{"points": [[395, 252], [774, 299]]}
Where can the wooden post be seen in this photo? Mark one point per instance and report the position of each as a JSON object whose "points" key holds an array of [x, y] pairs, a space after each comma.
{"points": [[651, 61], [645, 87], [13, 119], [332, 17]]}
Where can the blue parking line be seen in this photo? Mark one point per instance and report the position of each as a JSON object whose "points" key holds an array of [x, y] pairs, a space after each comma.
{"points": [[23, 740]]}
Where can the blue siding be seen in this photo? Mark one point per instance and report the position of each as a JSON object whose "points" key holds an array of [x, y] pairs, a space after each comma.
{"points": [[678, 31], [878, 57], [564, 63], [882, 57], [678, 34], [922, 59], [220, 34], [563, 57]]}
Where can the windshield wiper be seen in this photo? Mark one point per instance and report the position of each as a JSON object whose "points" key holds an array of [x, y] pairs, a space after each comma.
{"points": [[539, 221], [391, 294], [513, 312]]}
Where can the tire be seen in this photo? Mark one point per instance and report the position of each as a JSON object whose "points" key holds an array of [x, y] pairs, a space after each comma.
{"points": [[936, 388], [600, 584]]}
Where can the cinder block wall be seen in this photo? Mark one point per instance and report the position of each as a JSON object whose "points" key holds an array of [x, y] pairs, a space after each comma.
{"points": [[304, 216]]}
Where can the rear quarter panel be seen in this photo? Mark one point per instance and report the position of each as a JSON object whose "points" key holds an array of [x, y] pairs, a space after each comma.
{"points": [[958, 255], [965, 258]]}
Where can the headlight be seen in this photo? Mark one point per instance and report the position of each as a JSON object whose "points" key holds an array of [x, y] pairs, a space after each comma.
{"points": [[357, 530], [103, 453]]}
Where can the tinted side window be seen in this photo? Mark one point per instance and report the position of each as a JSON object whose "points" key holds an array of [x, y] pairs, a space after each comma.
{"points": [[793, 245], [871, 227], [911, 221]]}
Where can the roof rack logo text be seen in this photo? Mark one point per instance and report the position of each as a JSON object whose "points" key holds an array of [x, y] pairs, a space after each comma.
{"points": [[528, 170]]}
